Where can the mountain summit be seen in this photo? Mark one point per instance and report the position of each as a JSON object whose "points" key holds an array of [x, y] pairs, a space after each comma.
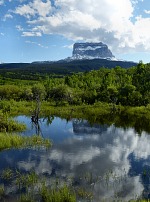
{"points": [[91, 51], [87, 56]]}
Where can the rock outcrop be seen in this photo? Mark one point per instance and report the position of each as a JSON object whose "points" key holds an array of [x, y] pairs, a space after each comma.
{"points": [[91, 51]]}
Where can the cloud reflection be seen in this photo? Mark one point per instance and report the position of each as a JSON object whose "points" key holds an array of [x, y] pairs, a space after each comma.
{"points": [[104, 154]]}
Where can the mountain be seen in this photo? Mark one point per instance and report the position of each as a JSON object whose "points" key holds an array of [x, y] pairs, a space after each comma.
{"points": [[85, 57], [86, 51], [91, 51], [84, 127], [57, 69]]}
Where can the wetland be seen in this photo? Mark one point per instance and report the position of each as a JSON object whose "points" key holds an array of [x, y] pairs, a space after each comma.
{"points": [[88, 161], [80, 137]]}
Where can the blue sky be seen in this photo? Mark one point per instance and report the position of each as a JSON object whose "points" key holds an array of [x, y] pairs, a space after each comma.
{"points": [[39, 30]]}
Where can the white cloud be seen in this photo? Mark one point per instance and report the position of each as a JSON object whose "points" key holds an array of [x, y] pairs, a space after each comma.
{"points": [[109, 150], [36, 7], [19, 28], [38, 44], [31, 33], [68, 46], [8, 15], [25, 10], [147, 11], [82, 156], [42, 8], [2, 34], [90, 20]]}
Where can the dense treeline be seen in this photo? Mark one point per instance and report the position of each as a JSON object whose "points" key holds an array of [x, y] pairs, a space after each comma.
{"points": [[118, 85], [36, 71]]}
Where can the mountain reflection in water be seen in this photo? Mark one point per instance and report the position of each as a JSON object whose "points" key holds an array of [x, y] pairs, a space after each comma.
{"points": [[115, 158]]}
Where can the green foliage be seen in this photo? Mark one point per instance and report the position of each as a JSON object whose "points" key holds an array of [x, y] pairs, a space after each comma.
{"points": [[17, 141], [2, 191], [26, 198], [61, 93], [7, 174], [10, 92], [37, 141], [9, 125], [26, 180], [58, 195], [38, 91], [82, 193], [128, 87], [38, 71], [31, 187]]}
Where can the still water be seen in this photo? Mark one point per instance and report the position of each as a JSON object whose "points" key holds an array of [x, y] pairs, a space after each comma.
{"points": [[116, 159]]}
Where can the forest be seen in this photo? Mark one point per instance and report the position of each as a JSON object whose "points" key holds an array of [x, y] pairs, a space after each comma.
{"points": [[36, 70], [119, 86]]}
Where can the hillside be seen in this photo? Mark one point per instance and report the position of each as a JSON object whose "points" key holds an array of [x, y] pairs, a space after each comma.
{"points": [[59, 68]]}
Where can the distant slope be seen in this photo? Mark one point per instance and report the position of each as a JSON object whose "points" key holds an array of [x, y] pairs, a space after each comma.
{"points": [[59, 68]]}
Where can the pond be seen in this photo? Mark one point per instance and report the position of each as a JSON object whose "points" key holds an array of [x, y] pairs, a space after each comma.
{"points": [[109, 162]]}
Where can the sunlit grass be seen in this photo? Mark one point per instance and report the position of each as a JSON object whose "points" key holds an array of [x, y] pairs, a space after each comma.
{"points": [[57, 195], [100, 112], [17, 141], [10, 125]]}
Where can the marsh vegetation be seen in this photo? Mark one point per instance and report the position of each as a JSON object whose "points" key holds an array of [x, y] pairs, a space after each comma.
{"points": [[104, 121]]}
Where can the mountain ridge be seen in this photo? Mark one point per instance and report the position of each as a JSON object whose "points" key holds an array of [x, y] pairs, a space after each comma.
{"points": [[85, 57], [88, 51]]}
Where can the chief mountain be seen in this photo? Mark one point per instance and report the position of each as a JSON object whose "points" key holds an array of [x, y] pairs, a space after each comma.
{"points": [[85, 57]]}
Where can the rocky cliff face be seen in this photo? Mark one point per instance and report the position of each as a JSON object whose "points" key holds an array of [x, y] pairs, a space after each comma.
{"points": [[91, 51]]}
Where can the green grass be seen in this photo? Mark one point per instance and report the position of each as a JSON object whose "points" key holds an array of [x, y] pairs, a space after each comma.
{"points": [[7, 124], [99, 108], [102, 113], [62, 194], [10, 125], [9, 141]]}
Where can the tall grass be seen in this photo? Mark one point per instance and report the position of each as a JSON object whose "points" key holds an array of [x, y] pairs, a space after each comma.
{"points": [[10, 125], [17, 141], [62, 194], [103, 113]]}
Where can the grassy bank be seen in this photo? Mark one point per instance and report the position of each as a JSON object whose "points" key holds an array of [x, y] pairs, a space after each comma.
{"points": [[10, 125], [99, 108], [9, 141], [102, 113]]}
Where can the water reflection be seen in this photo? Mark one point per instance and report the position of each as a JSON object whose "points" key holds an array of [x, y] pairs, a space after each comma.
{"points": [[109, 161], [84, 127]]}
